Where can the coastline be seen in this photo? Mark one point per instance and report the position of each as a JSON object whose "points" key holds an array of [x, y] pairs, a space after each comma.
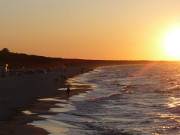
{"points": [[15, 122]]}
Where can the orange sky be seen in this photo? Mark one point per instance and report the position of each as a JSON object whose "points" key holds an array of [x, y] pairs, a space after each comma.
{"points": [[89, 29]]}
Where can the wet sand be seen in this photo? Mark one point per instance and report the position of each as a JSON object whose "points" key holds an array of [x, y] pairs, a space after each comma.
{"points": [[22, 93]]}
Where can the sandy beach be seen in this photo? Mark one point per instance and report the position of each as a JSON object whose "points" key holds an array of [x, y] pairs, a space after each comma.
{"points": [[19, 93]]}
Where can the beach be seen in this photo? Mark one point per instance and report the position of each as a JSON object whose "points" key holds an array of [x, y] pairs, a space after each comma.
{"points": [[19, 93]]}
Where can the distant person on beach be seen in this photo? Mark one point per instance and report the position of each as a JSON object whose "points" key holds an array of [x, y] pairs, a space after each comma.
{"points": [[68, 91]]}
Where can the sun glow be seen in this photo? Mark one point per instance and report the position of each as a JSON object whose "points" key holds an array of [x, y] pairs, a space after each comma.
{"points": [[172, 43]]}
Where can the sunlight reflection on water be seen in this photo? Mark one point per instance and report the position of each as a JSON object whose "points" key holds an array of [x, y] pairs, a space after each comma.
{"points": [[28, 112], [174, 102], [52, 126]]}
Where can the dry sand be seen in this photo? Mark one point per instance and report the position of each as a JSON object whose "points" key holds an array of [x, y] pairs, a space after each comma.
{"points": [[21, 93]]}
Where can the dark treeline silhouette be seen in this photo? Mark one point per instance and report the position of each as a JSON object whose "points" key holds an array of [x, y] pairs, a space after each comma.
{"points": [[20, 60]]}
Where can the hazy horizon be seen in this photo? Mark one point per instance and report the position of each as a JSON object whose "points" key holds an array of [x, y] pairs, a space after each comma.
{"points": [[89, 29]]}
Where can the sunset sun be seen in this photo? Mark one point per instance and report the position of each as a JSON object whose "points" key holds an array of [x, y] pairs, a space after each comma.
{"points": [[172, 44]]}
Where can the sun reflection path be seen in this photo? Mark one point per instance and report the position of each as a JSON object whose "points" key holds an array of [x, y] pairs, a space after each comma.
{"points": [[174, 102], [142, 71], [169, 122]]}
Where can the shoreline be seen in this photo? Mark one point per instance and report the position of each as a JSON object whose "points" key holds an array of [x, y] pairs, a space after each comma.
{"points": [[16, 122]]}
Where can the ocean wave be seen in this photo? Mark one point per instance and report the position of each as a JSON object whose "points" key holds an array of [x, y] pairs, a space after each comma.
{"points": [[169, 90], [104, 129], [108, 97], [175, 109]]}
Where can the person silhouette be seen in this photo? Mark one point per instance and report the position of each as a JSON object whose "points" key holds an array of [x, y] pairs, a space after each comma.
{"points": [[68, 91]]}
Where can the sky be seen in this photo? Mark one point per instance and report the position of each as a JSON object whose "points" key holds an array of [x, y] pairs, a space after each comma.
{"points": [[89, 29]]}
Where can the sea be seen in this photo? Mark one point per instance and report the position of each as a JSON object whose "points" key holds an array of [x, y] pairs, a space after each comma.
{"points": [[123, 100]]}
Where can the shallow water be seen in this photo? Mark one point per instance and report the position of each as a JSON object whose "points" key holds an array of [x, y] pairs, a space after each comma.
{"points": [[129, 99]]}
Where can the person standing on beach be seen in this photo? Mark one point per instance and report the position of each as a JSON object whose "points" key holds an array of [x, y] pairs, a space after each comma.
{"points": [[68, 91]]}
